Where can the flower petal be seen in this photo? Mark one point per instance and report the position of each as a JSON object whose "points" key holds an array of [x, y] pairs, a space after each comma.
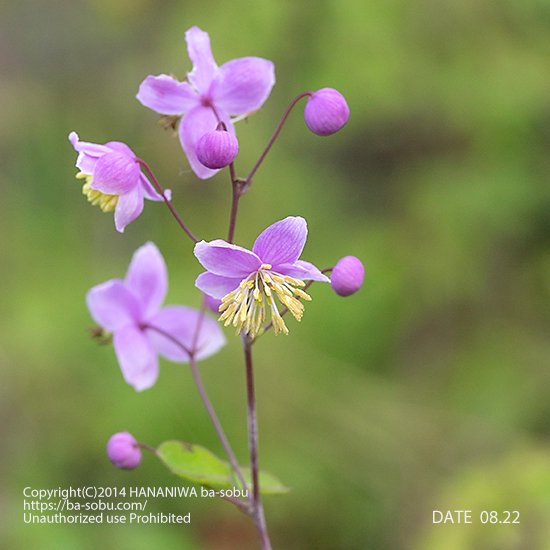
{"points": [[136, 357], [228, 260], [121, 148], [93, 149], [216, 285], [200, 53], [147, 278], [193, 126], [302, 270], [282, 242], [115, 174], [242, 85], [181, 324], [128, 208], [88, 153], [112, 305], [150, 192], [166, 95], [211, 338]]}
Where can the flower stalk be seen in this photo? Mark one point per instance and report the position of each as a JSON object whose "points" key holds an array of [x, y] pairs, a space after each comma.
{"points": [[240, 185], [275, 135], [257, 507], [197, 378], [247, 287], [160, 190]]}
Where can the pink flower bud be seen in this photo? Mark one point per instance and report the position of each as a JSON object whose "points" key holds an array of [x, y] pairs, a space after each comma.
{"points": [[326, 112], [123, 451], [347, 276], [217, 149]]}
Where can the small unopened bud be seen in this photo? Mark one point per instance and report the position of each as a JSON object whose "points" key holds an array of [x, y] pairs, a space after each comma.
{"points": [[213, 304], [217, 149], [326, 112], [123, 451], [347, 276]]}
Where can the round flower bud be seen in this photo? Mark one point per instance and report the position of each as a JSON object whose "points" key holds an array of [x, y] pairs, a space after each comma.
{"points": [[217, 149], [212, 304], [123, 451], [326, 112], [347, 276]]}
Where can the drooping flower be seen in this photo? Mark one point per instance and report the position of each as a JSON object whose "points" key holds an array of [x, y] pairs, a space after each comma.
{"points": [[123, 451], [347, 276], [326, 112], [113, 179], [210, 95], [131, 310], [249, 282]]}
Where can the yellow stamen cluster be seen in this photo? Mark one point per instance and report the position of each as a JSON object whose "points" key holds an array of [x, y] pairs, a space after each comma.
{"points": [[107, 203], [245, 307]]}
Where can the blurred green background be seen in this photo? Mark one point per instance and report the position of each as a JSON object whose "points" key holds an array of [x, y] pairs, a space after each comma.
{"points": [[430, 389]]}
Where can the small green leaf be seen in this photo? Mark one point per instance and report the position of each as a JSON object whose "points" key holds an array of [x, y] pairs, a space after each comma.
{"points": [[269, 484], [197, 464]]}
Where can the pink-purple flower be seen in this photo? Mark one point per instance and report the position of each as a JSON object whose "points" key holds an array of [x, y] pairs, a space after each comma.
{"points": [[210, 95], [217, 149], [347, 276], [113, 179], [248, 281], [131, 310], [326, 112], [123, 451]]}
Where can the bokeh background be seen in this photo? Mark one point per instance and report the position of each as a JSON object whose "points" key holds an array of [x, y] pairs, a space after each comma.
{"points": [[430, 389]]}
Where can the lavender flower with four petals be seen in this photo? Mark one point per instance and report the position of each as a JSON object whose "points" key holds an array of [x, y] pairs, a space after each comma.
{"points": [[131, 310], [113, 179], [212, 94], [248, 281]]}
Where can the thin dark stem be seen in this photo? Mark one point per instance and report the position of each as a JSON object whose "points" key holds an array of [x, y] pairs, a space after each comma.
{"points": [[216, 422], [197, 378], [161, 192], [146, 447], [232, 172], [275, 135], [240, 186], [257, 508], [234, 205], [217, 115], [240, 504]]}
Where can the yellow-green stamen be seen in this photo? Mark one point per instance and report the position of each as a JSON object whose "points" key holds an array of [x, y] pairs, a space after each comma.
{"points": [[245, 307], [107, 203]]}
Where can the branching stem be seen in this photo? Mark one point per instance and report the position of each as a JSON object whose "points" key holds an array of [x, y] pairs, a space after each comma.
{"points": [[241, 185], [197, 378]]}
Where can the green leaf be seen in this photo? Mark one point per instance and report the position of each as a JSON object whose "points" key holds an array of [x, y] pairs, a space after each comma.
{"points": [[197, 464], [269, 484]]}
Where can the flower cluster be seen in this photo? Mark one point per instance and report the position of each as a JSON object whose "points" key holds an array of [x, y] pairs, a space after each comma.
{"points": [[250, 289], [210, 95]]}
